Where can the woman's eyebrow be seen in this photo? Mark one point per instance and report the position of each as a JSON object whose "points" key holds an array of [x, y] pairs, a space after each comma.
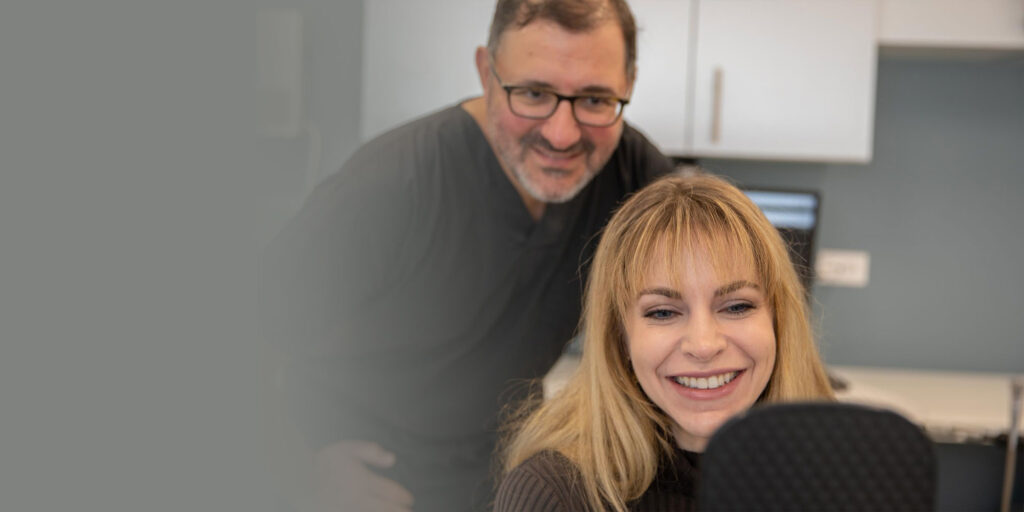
{"points": [[666, 292], [735, 285]]}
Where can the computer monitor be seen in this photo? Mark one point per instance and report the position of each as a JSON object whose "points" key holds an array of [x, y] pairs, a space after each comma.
{"points": [[795, 214]]}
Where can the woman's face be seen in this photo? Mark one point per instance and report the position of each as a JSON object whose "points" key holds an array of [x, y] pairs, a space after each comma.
{"points": [[702, 351]]}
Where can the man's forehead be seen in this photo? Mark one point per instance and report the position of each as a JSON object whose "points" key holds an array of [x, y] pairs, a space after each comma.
{"points": [[603, 37], [543, 51]]}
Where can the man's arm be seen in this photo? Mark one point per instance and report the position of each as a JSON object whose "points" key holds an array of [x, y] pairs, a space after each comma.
{"points": [[315, 276]]}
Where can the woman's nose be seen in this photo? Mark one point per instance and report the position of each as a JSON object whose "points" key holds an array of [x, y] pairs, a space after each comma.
{"points": [[703, 340]]}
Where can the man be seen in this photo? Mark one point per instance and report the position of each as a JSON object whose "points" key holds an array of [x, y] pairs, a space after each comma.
{"points": [[442, 267]]}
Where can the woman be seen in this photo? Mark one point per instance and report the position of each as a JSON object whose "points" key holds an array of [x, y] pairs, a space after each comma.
{"points": [[693, 313]]}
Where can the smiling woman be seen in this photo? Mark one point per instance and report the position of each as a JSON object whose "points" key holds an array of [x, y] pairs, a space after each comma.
{"points": [[693, 314], [701, 343]]}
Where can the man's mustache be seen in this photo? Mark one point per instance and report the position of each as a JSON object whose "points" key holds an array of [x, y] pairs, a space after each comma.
{"points": [[532, 139]]}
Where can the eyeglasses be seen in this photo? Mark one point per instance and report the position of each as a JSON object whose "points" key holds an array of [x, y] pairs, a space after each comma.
{"points": [[597, 110]]}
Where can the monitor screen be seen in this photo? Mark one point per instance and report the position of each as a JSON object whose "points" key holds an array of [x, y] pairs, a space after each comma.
{"points": [[795, 214]]}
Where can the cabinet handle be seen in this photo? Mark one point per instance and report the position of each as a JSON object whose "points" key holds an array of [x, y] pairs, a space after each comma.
{"points": [[716, 106]]}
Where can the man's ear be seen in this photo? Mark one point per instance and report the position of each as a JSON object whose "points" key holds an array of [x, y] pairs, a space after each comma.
{"points": [[630, 83], [483, 67]]}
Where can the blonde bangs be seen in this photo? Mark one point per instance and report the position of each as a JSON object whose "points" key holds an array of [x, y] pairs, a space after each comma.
{"points": [[670, 234]]}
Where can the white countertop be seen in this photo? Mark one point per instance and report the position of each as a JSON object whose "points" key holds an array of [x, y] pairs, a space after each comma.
{"points": [[950, 405]]}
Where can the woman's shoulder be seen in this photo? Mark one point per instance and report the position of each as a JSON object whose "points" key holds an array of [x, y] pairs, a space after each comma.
{"points": [[545, 482]]}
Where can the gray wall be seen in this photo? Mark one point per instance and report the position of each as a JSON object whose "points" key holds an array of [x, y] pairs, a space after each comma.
{"points": [[333, 72], [940, 211], [332, 89], [134, 197]]}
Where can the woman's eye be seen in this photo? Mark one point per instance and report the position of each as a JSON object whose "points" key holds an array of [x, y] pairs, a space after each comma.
{"points": [[659, 314], [738, 308]]}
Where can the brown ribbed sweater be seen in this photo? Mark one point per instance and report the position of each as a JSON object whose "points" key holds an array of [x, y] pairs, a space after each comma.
{"points": [[549, 482]]}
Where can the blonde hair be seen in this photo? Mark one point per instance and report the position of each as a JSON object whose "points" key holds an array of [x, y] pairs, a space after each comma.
{"points": [[602, 421]]}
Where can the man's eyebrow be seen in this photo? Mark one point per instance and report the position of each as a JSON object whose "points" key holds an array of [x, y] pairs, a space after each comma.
{"points": [[536, 84], [735, 285], [597, 89], [590, 89], [666, 292]]}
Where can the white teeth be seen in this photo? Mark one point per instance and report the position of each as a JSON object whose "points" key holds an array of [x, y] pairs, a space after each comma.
{"points": [[712, 382]]}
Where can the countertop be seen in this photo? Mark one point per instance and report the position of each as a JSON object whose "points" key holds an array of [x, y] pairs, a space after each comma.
{"points": [[950, 405]]}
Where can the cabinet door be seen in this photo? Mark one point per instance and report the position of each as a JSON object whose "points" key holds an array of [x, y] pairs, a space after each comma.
{"points": [[660, 101], [418, 57], [785, 79], [974, 24]]}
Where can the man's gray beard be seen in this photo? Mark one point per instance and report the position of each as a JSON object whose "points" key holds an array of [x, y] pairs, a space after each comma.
{"points": [[513, 159], [564, 197]]}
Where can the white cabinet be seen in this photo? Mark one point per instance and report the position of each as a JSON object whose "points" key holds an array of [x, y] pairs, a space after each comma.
{"points": [[764, 79], [660, 103], [791, 80], [952, 24]]}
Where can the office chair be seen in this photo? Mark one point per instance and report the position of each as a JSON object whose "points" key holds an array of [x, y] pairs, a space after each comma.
{"points": [[818, 457]]}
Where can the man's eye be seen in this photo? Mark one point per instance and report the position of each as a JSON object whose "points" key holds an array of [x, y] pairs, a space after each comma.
{"points": [[597, 101], [535, 95]]}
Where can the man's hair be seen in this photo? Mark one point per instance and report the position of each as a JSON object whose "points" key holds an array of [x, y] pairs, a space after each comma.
{"points": [[572, 15]]}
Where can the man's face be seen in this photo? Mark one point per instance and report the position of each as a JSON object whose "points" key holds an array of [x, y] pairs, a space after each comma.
{"points": [[554, 158]]}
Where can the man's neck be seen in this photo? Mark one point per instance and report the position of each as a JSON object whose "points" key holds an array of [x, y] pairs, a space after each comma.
{"points": [[477, 109]]}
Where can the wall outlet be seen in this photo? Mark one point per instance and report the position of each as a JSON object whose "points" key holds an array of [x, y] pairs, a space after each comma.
{"points": [[834, 267]]}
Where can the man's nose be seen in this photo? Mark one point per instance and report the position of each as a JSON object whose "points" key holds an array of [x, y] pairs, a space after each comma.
{"points": [[561, 129]]}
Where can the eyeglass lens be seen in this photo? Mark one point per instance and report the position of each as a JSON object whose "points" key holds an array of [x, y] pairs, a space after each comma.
{"points": [[540, 104]]}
